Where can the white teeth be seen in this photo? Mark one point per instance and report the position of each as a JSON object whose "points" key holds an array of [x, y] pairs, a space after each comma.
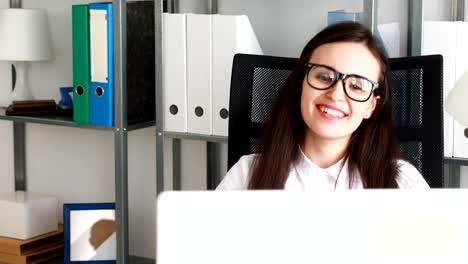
{"points": [[332, 112]]}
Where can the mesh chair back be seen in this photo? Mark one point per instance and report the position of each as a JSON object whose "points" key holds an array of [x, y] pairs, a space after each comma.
{"points": [[257, 79], [417, 94]]}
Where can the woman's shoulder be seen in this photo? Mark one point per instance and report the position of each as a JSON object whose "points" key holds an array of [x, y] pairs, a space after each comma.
{"points": [[237, 178], [409, 177]]}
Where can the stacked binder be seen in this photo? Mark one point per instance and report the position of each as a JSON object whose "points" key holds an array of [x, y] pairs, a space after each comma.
{"points": [[80, 29], [93, 63], [33, 250], [198, 51]]}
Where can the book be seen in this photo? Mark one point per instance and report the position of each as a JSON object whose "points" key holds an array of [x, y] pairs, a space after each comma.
{"points": [[36, 107], [28, 247]]}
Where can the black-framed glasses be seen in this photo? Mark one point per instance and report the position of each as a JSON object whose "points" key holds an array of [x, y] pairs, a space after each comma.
{"points": [[356, 87]]}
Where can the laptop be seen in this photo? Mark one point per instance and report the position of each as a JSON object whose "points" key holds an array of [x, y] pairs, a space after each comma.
{"points": [[372, 226]]}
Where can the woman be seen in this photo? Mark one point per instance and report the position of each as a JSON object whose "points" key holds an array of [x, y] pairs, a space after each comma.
{"points": [[332, 124]]}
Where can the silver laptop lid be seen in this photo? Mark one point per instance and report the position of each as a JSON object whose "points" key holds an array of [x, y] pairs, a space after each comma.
{"points": [[375, 226]]}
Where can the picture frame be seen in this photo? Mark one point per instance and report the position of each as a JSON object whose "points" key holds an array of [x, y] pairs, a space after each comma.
{"points": [[89, 233]]}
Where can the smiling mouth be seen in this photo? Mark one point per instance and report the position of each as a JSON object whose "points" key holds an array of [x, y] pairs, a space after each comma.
{"points": [[330, 111]]}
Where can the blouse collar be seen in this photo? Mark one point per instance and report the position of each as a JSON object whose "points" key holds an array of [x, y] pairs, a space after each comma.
{"points": [[307, 166]]}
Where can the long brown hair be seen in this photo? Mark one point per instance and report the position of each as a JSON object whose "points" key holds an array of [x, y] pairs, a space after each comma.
{"points": [[371, 152]]}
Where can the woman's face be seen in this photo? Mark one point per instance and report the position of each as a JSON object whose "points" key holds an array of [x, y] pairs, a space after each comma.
{"points": [[331, 114]]}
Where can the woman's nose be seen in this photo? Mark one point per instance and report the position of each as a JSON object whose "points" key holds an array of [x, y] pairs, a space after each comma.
{"points": [[336, 92]]}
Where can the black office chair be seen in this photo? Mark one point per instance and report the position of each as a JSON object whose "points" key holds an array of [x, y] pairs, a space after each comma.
{"points": [[417, 92]]}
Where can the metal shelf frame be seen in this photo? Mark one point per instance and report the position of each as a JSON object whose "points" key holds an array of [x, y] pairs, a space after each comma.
{"points": [[120, 129]]}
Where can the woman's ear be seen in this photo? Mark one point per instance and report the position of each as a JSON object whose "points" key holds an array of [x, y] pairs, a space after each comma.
{"points": [[372, 105]]}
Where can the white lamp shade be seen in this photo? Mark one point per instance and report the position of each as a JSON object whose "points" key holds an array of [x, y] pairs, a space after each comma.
{"points": [[456, 101], [24, 35]]}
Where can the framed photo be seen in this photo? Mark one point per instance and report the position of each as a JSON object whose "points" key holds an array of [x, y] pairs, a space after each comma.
{"points": [[89, 233]]}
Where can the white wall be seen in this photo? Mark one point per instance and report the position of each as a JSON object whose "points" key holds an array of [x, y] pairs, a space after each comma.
{"points": [[7, 182], [6, 128], [463, 177], [283, 27], [5, 76], [395, 11], [437, 10], [194, 6]]}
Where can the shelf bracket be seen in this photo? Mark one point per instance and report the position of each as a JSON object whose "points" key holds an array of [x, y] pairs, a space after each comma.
{"points": [[15, 3], [19, 148], [212, 165]]}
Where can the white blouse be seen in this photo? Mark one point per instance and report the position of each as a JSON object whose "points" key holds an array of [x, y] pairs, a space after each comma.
{"points": [[306, 175]]}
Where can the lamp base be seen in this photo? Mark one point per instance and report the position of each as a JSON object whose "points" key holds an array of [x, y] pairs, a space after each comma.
{"points": [[5, 102], [21, 90]]}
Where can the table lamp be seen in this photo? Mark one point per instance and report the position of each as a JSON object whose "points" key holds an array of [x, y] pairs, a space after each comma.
{"points": [[24, 37], [456, 103]]}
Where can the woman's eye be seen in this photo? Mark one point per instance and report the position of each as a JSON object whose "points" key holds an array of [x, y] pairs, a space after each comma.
{"points": [[324, 77], [356, 87]]}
